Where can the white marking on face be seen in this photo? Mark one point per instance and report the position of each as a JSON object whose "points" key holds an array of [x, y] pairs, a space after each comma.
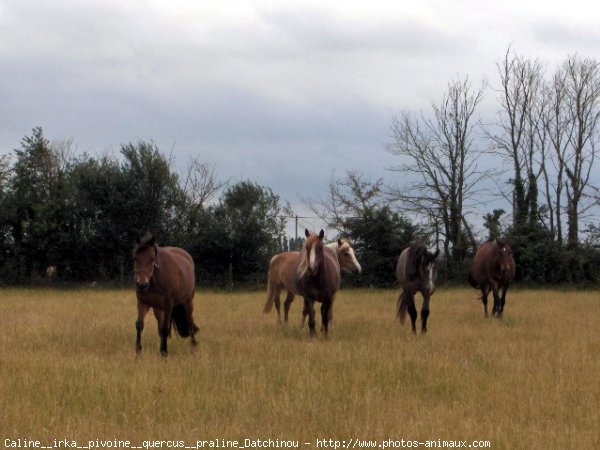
{"points": [[355, 261], [430, 284], [312, 258]]}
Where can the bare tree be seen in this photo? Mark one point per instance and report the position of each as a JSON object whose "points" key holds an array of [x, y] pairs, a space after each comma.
{"points": [[438, 158], [558, 128], [582, 93], [200, 182], [346, 197], [518, 134]]}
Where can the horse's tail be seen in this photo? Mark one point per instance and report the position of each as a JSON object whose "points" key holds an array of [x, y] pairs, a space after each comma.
{"points": [[402, 307], [472, 281], [270, 298], [179, 319]]}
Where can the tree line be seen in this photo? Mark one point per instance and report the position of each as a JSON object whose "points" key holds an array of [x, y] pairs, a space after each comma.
{"points": [[535, 157], [81, 214]]}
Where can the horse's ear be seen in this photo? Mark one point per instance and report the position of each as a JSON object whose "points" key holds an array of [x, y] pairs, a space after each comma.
{"points": [[500, 243], [137, 239], [321, 234], [152, 241], [306, 232], [339, 242]]}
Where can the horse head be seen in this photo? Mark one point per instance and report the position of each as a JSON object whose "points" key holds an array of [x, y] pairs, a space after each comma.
{"points": [[504, 258], [425, 261], [347, 256], [313, 246], [145, 260]]}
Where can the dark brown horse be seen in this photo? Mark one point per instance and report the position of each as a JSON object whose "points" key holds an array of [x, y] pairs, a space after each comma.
{"points": [[416, 273], [164, 281], [317, 278], [493, 269], [281, 276]]}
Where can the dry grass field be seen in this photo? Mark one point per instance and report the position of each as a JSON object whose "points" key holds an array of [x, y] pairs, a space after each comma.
{"points": [[68, 370]]}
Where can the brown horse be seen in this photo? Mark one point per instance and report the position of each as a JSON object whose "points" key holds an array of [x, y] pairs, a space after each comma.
{"points": [[416, 273], [164, 281], [493, 269], [317, 278], [281, 276]]}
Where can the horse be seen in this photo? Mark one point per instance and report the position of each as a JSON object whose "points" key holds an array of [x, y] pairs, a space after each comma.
{"points": [[281, 275], [50, 273], [416, 273], [317, 278], [164, 281], [493, 269]]}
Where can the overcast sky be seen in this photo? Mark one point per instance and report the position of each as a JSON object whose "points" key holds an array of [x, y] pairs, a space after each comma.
{"points": [[282, 93]]}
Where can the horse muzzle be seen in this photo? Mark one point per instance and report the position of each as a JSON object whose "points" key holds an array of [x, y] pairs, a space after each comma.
{"points": [[142, 287]]}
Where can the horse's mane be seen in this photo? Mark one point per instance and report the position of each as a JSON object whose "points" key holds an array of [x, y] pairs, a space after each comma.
{"points": [[415, 255]]}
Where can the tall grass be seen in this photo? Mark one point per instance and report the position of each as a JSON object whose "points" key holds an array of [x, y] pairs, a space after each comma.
{"points": [[68, 370]]}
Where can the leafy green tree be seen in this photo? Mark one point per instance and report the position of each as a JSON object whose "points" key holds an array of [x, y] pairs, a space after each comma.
{"points": [[235, 239], [38, 206], [154, 198], [379, 235], [253, 219], [492, 223]]}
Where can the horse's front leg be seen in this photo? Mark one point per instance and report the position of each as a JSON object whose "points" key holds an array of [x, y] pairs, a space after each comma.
{"points": [[309, 307], [139, 324], [424, 313], [412, 310], [496, 310], [503, 299], [325, 315], [484, 299]]}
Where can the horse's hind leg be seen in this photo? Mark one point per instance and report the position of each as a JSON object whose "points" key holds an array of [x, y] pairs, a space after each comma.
{"points": [[304, 314], [276, 293], [309, 306], [412, 311], [484, 299], [164, 328], [286, 306], [139, 325], [189, 309]]}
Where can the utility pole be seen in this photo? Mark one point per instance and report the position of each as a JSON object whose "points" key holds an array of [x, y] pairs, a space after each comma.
{"points": [[296, 228]]}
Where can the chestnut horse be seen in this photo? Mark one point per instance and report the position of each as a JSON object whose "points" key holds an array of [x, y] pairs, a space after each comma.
{"points": [[281, 276], [317, 278], [493, 269], [416, 273], [164, 281]]}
